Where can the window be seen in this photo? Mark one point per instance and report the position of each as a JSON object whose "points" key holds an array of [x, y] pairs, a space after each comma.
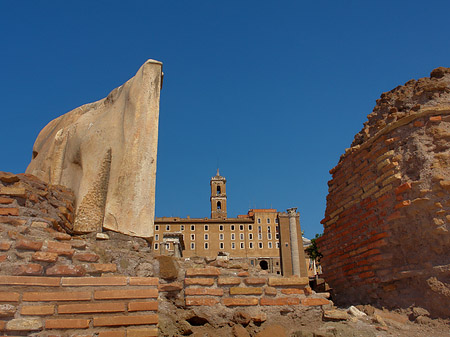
{"points": [[156, 246], [221, 245], [277, 244], [192, 245], [232, 227], [156, 237], [259, 220], [268, 220], [259, 236], [221, 236], [269, 236], [268, 229], [233, 236], [233, 245], [219, 205], [259, 229], [157, 228], [241, 236], [206, 237], [270, 244], [250, 245], [218, 189], [241, 227], [206, 227], [206, 245], [250, 227], [192, 237], [168, 228], [250, 236], [260, 245], [242, 245], [276, 220], [192, 228], [277, 236], [221, 228], [181, 227]]}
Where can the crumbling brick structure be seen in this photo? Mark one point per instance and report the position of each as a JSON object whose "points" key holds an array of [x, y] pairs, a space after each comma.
{"points": [[386, 238]]}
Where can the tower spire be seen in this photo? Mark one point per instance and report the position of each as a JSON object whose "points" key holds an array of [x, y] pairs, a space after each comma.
{"points": [[217, 174]]}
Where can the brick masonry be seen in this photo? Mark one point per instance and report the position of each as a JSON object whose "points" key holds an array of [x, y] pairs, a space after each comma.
{"points": [[386, 221]]}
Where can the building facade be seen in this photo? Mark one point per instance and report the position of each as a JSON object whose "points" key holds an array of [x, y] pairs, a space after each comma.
{"points": [[261, 237]]}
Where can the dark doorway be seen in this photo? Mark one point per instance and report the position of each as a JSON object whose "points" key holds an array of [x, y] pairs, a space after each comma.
{"points": [[264, 265]]}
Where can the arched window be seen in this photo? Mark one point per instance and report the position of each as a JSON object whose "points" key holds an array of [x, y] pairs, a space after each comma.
{"points": [[218, 189], [219, 205]]}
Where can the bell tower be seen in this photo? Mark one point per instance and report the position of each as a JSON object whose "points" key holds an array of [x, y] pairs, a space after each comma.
{"points": [[218, 197]]}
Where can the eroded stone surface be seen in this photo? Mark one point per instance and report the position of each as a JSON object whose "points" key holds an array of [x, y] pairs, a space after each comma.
{"points": [[106, 153]]}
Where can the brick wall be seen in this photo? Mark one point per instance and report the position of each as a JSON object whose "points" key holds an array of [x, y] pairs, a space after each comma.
{"points": [[83, 306], [212, 286], [387, 215]]}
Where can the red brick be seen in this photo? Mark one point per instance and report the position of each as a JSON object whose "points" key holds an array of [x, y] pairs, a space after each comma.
{"points": [[86, 257], [112, 334], [291, 291], [101, 268], [145, 332], [9, 211], [2, 325], [5, 245], [314, 301], [3, 258], [6, 296], [31, 269], [208, 271], [199, 281], [28, 244], [402, 188], [393, 216], [45, 257], [228, 281], [61, 236], [60, 248], [6, 201], [174, 286], [255, 280], [37, 310], [125, 320], [57, 296], [402, 204], [280, 301], [123, 294], [246, 291], [91, 308], [94, 281], [435, 118], [30, 281], [65, 270], [67, 323], [229, 302], [143, 306], [203, 291], [419, 123], [201, 301], [144, 281], [243, 273]]}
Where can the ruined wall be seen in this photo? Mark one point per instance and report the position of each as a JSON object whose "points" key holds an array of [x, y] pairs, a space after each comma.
{"points": [[56, 284], [386, 238]]}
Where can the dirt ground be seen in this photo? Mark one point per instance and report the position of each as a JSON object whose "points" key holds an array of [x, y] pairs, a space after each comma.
{"points": [[324, 321]]}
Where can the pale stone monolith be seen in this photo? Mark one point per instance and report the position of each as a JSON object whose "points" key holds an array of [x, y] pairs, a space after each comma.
{"points": [[106, 153]]}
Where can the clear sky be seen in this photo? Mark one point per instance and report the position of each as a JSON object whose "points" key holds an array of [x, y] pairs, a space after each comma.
{"points": [[272, 92]]}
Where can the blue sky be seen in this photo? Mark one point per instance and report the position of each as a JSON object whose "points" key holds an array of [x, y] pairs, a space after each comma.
{"points": [[272, 92]]}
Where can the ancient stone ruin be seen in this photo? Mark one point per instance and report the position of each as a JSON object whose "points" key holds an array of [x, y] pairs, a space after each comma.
{"points": [[105, 152], [386, 234]]}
